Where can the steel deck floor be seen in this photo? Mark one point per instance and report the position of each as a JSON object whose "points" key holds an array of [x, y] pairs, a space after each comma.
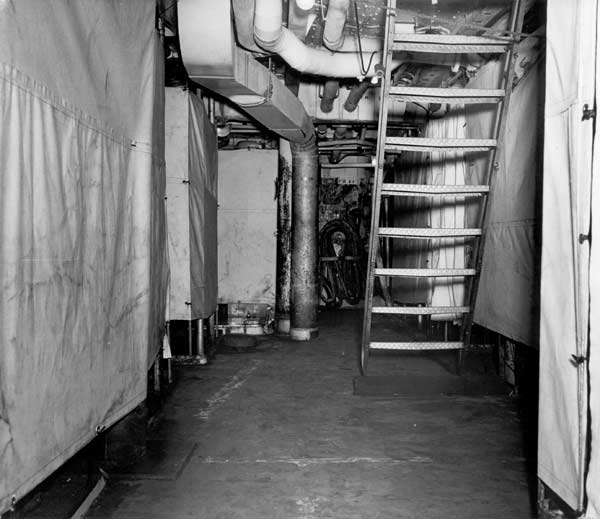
{"points": [[278, 433]]}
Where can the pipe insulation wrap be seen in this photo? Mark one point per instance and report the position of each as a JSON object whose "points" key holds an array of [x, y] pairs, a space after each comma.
{"points": [[304, 276], [330, 94], [273, 37], [355, 95], [333, 33], [267, 22]]}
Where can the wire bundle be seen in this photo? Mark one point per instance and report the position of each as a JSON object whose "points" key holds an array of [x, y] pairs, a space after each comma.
{"points": [[341, 264]]}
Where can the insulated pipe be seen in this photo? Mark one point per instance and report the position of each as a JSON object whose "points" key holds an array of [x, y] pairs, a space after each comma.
{"points": [[304, 279], [333, 33], [355, 95], [284, 238], [273, 37], [330, 93]]}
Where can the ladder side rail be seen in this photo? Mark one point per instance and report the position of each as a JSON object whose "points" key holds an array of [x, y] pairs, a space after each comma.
{"points": [[472, 284], [378, 181]]}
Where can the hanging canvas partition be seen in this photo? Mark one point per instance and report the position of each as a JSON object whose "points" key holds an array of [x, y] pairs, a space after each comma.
{"points": [[593, 467], [81, 226], [191, 157], [508, 292], [565, 268]]}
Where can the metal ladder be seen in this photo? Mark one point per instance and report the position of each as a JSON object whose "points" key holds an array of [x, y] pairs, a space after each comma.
{"points": [[447, 44]]}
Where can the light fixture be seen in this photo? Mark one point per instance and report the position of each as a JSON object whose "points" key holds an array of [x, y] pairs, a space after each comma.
{"points": [[223, 130], [305, 5]]}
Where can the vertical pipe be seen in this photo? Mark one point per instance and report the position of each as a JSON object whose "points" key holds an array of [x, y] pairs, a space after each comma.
{"points": [[330, 94], [157, 374], [304, 293], [190, 336], [200, 342], [284, 238]]}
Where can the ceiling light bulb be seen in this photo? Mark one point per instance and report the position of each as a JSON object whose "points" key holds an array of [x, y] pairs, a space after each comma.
{"points": [[305, 5]]}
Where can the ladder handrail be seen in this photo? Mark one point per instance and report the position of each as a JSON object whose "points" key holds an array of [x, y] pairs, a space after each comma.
{"points": [[378, 180]]}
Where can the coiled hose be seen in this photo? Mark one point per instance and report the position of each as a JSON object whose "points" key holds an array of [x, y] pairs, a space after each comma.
{"points": [[341, 264]]}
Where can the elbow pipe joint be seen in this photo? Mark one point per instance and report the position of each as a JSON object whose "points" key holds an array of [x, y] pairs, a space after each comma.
{"points": [[330, 94]]}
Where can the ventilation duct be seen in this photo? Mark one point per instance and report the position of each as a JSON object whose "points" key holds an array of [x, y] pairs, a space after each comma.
{"points": [[216, 63]]}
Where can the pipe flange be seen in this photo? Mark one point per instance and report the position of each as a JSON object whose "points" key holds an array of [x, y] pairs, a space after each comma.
{"points": [[283, 325], [304, 334]]}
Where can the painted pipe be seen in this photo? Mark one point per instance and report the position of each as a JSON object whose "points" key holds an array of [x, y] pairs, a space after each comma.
{"points": [[284, 238], [270, 35], [304, 279], [333, 33], [355, 95], [330, 94]]}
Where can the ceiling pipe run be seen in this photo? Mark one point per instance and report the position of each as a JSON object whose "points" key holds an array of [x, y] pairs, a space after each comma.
{"points": [[270, 35], [333, 33]]}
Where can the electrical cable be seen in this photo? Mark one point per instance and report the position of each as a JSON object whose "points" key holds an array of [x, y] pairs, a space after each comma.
{"points": [[341, 264], [364, 71]]}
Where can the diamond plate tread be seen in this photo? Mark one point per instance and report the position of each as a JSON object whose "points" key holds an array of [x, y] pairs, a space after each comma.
{"points": [[422, 144], [447, 95], [424, 273], [421, 310], [448, 44], [432, 189], [415, 346], [410, 232]]}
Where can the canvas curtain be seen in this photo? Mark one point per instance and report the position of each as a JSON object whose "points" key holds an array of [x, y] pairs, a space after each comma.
{"points": [[565, 268], [82, 225], [191, 157]]}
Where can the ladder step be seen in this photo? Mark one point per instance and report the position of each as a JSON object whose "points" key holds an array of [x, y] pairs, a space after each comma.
{"points": [[432, 189], [421, 310], [416, 346], [447, 95], [422, 144], [426, 232], [424, 273], [449, 44], [343, 165]]}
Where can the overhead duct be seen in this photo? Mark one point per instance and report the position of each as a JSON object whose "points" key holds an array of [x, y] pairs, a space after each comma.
{"points": [[216, 63], [270, 35]]}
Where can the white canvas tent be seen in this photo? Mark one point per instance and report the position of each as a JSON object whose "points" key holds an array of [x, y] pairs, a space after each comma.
{"points": [[569, 432], [82, 256]]}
